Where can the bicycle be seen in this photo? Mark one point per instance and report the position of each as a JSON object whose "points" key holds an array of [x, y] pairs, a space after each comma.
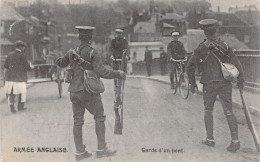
{"points": [[181, 78]]}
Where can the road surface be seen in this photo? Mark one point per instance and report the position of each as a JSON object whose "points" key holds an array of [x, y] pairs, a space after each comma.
{"points": [[158, 126]]}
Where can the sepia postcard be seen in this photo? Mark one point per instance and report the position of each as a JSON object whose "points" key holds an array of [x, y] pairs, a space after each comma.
{"points": [[130, 80]]}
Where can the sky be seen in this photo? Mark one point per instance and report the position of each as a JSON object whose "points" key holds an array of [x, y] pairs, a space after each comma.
{"points": [[224, 4]]}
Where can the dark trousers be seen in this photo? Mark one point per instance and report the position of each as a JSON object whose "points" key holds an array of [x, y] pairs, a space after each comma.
{"points": [[93, 103], [224, 91], [148, 68], [172, 69]]}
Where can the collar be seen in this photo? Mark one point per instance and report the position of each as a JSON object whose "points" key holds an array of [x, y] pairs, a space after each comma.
{"points": [[19, 50]]}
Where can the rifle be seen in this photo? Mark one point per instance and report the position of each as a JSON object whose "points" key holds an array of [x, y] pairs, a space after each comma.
{"points": [[251, 126], [119, 95]]}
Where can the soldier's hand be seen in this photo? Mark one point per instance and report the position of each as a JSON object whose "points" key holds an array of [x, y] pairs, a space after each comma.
{"points": [[122, 74], [193, 87], [112, 58]]}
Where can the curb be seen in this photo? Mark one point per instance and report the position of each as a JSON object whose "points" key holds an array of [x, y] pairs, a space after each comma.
{"points": [[235, 104]]}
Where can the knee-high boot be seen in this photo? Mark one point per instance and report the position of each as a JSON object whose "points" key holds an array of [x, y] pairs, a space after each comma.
{"points": [[77, 133], [232, 123], [100, 131], [208, 119]]}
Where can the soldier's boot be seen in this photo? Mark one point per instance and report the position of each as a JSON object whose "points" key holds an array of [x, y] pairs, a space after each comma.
{"points": [[81, 153], [81, 156], [208, 119], [12, 108], [105, 152], [234, 146], [208, 142], [100, 131], [20, 106], [232, 123]]}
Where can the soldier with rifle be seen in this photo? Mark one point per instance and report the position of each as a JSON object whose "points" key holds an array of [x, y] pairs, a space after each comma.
{"points": [[207, 55], [89, 59], [119, 55]]}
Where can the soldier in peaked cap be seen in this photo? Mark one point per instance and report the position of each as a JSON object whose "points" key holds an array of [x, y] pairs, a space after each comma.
{"points": [[16, 66], [83, 58], [118, 46], [213, 81], [175, 50]]}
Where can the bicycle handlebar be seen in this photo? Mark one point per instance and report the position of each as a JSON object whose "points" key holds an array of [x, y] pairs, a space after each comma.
{"points": [[116, 59], [172, 59]]}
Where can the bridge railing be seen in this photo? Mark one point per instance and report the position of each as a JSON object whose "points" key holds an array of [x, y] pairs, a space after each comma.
{"points": [[250, 60]]}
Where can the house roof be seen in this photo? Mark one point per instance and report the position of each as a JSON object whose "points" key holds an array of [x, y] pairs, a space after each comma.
{"points": [[172, 16], [166, 25], [250, 17], [227, 19], [9, 13]]}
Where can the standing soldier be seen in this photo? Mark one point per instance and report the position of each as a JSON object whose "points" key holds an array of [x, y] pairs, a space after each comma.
{"points": [[118, 46], [213, 81], [148, 58], [175, 50], [163, 61], [16, 66], [81, 99]]}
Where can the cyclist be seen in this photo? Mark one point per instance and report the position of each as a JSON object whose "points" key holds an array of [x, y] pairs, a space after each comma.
{"points": [[175, 50]]}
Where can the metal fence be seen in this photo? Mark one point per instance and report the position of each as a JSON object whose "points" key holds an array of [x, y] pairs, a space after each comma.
{"points": [[250, 60]]}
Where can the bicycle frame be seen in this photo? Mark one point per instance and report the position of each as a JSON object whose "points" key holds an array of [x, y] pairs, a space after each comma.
{"points": [[179, 80]]}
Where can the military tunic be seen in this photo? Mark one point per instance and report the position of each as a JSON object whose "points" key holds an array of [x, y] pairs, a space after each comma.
{"points": [[214, 83], [118, 45], [175, 50], [81, 99]]}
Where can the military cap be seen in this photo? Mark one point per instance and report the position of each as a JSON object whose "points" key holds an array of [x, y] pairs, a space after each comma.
{"points": [[120, 30], [20, 43], [175, 33], [208, 24], [85, 32]]}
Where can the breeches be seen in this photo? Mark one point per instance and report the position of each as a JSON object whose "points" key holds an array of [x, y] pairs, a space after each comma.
{"points": [[92, 102], [224, 90]]}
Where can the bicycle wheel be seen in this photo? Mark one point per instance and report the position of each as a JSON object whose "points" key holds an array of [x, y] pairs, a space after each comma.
{"points": [[60, 87], [175, 80], [184, 85]]}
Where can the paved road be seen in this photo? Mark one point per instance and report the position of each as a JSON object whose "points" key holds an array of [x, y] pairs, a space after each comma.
{"points": [[154, 119]]}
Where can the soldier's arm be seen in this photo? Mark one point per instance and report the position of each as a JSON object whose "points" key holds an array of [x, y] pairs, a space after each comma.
{"points": [[25, 63], [65, 60], [126, 48], [191, 66], [101, 70], [183, 50], [6, 65], [111, 49], [234, 60]]}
